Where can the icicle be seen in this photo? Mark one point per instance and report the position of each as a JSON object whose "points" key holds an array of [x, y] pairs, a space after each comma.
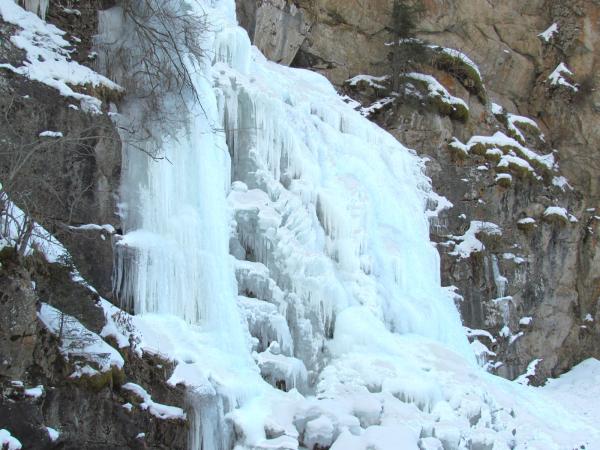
{"points": [[39, 7]]}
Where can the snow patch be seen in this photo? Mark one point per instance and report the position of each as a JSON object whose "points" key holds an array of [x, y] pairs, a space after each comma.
{"points": [[48, 57], [53, 134], [561, 76], [159, 410], [77, 342], [8, 441], [52, 434], [469, 242], [549, 33]]}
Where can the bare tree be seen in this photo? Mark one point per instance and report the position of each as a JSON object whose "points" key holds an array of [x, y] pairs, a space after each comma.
{"points": [[27, 194], [154, 57]]}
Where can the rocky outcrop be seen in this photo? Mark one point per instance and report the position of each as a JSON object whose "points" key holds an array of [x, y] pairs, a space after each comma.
{"points": [[62, 164], [534, 285], [278, 27], [18, 320], [39, 382]]}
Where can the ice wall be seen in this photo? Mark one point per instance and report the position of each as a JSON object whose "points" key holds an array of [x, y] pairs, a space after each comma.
{"points": [[279, 252]]}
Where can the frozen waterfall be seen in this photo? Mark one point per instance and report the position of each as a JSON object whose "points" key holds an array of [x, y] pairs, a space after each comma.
{"points": [[280, 254]]}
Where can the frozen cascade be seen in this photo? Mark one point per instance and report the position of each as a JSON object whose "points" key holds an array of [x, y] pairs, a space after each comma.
{"points": [[285, 239]]}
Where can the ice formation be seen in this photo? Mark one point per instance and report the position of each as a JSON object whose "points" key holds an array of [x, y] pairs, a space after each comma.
{"points": [[279, 254]]}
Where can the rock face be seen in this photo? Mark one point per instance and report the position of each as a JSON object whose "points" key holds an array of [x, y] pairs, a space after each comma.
{"points": [[536, 286], [38, 388], [18, 320], [68, 180]]}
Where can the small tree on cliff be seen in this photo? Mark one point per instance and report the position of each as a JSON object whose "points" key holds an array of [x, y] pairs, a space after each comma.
{"points": [[405, 48]]}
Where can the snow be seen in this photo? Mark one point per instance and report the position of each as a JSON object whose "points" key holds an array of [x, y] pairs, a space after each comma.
{"points": [[158, 410], [562, 183], [529, 372], [463, 148], [559, 77], [580, 387], [549, 33], [95, 227], [557, 211], [441, 204], [526, 221], [497, 109], [501, 141], [35, 392], [52, 434], [54, 134], [8, 441], [369, 79], [48, 60], [507, 161], [588, 318], [469, 242], [275, 367], [376, 106], [513, 122], [526, 321], [479, 333], [74, 12], [459, 55], [437, 90], [13, 221], [77, 342]]}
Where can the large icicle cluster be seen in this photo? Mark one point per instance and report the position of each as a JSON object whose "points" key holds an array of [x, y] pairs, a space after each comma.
{"points": [[337, 333]]}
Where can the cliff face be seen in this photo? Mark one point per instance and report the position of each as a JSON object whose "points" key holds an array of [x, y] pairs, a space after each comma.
{"points": [[534, 285], [61, 164]]}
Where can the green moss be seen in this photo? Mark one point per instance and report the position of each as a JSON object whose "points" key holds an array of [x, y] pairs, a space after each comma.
{"points": [[479, 149], [526, 227], [493, 157], [516, 136], [95, 382], [527, 128], [456, 112], [8, 255], [457, 152], [504, 182], [460, 113], [556, 219], [462, 71], [502, 118], [519, 171], [109, 379], [118, 376], [101, 92]]}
